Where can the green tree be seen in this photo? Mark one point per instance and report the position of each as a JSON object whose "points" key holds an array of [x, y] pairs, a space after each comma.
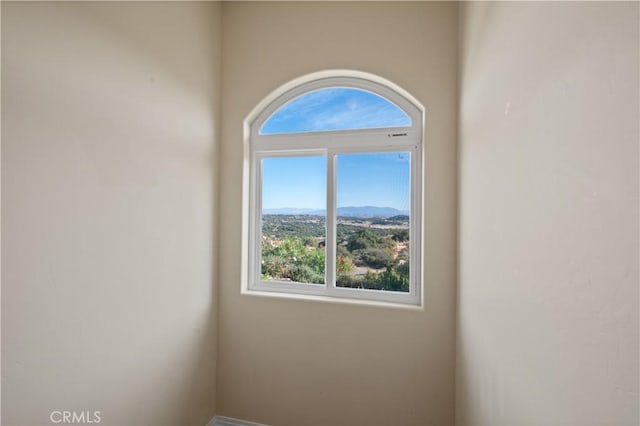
{"points": [[363, 239], [393, 281], [400, 235], [376, 258], [344, 260], [344, 265]]}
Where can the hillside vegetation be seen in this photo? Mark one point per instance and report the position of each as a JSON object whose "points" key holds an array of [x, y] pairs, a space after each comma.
{"points": [[370, 253]]}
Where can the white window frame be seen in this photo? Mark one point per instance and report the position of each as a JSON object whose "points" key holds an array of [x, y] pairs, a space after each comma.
{"points": [[331, 144]]}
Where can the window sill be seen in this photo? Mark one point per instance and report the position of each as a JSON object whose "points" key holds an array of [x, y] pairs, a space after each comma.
{"points": [[328, 299]]}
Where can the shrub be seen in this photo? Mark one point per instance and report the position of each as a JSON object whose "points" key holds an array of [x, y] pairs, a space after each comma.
{"points": [[363, 239], [305, 274], [344, 264], [273, 266], [349, 281], [389, 280], [292, 259], [376, 258], [393, 281], [400, 235], [403, 270]]}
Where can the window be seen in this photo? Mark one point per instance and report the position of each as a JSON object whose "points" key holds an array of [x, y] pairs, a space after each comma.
{"points": [[335, 194]]}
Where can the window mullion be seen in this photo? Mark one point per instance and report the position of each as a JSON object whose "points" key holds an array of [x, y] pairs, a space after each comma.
{"points": [[330, 246]]}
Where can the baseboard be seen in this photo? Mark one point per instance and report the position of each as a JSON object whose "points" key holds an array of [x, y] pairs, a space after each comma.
{"points": [[230, 421]]}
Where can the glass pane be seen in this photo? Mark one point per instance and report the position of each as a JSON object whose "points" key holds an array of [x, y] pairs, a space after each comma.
{"points": [[293, 219], [335, 108], [373, 221]]}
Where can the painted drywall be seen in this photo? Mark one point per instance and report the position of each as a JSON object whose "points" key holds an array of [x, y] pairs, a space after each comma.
{"points": [[306, 362], [109, 151], [548, 278]]}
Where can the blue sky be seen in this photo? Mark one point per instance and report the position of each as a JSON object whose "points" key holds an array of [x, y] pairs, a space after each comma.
{"points": [[335, 109], [294, 182], [380, 179]]}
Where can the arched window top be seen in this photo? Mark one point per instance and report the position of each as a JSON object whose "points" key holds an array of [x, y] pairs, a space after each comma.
{"points": [[333, 104], [335, 109]]}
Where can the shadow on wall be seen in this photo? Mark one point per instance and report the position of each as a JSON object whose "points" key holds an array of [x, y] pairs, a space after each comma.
{"points": [[187, 66], [110, 177]]}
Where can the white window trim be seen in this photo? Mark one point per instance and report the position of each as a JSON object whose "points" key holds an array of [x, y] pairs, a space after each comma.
{"points": [[332, 143]]}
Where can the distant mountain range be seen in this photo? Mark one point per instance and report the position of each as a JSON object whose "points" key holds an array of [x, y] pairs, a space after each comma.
{"points": [[364, 212]]}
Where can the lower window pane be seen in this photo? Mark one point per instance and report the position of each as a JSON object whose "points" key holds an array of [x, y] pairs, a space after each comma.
{"points": [[293, 219], [373, 221]]}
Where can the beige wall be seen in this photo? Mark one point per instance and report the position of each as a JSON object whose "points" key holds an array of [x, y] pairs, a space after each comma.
{"points": [[109, 208], [548, 296], [110, 116], [301, 362]]}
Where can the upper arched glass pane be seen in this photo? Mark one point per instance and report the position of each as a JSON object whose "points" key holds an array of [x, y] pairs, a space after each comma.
{"points": [[335, 108]]}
